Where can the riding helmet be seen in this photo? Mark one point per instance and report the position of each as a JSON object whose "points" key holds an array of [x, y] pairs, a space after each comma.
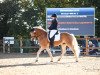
{"points": [[54, 15]]}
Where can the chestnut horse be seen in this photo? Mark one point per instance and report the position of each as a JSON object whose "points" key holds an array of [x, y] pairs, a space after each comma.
{"points": [[66, 40]]}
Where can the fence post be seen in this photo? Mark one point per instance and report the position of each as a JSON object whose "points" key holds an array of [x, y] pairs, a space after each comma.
{"points": [[3, 46], [8, 46], [21, 44], [87, 48]]}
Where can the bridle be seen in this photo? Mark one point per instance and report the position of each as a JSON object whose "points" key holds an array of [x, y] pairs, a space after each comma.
{"points": [[35, 36]]}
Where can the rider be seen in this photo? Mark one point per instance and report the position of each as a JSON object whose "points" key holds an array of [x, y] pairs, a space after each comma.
{"points": [[53, 29]]}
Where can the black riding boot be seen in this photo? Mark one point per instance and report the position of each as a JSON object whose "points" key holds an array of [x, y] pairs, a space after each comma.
{"points": [[52, 42]]}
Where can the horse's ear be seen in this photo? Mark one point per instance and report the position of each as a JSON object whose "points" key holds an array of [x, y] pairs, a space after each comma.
{"points": [[40, 26], [32, 30]]}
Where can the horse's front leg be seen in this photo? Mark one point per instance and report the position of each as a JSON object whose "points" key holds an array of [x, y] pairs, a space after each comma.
{"points": [[38, 53], [50, 54], [63, 52]]}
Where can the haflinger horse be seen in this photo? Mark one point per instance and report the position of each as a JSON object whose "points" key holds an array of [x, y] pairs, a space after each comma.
{"points": [[66, 40]]}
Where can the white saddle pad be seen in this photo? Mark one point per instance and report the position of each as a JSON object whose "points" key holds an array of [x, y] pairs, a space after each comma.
{"points": [[57, 37]]}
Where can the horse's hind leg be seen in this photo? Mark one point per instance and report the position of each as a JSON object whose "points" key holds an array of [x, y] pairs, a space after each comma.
{"points": [[76, 56], [38, 53], [75, 53], [50, 54], [63, 51]]}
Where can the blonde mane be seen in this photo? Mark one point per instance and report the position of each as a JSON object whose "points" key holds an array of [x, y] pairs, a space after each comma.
{"points": [[39, 27]]}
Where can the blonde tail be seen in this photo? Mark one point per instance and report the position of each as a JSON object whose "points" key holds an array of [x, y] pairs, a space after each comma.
{"points": [[76, 47]]}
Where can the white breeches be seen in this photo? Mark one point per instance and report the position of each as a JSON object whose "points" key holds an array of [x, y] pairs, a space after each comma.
{"points": [[52, 33]]}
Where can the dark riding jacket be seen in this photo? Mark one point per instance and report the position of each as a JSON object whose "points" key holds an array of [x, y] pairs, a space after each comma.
{"points": [[53, 25]]}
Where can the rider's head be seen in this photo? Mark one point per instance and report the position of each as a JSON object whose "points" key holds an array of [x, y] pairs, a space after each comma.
{"points": [[54, 16]]}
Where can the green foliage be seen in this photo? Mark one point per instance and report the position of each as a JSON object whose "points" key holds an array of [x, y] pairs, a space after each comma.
{"points": [[17, 17], [6, 15]]}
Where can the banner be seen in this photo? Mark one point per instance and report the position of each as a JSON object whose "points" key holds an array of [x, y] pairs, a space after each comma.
{"points": [[78, 21]]}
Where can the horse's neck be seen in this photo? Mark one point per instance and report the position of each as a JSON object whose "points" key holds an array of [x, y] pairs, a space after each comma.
{"points": [[43, 35]]}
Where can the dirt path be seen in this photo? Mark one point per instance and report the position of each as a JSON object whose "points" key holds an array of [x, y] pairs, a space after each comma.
{"points": [[23, 64]]}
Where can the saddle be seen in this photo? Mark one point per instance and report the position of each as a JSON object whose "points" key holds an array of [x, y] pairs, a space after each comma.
{"points": [[55, 34], [57, 37]]}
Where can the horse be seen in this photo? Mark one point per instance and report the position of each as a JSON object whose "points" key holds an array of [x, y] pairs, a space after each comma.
{"points": [[66, 40]]}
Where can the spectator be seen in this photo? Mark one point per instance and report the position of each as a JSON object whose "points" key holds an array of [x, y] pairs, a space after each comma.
{"points": [[90, 44], [82, 43], [32, 42], [95, 42]]}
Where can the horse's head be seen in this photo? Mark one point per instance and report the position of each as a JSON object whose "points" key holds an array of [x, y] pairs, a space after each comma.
{"points": [[37, 32], [32, 33]]}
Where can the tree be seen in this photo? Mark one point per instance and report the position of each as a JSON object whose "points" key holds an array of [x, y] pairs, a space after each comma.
{"points": [[17, 17], [7, 10]]}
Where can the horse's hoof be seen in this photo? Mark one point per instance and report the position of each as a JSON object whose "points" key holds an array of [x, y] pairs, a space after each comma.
{"points": [[58, 61], [36, 61], [51, 61], [76, 60]]}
